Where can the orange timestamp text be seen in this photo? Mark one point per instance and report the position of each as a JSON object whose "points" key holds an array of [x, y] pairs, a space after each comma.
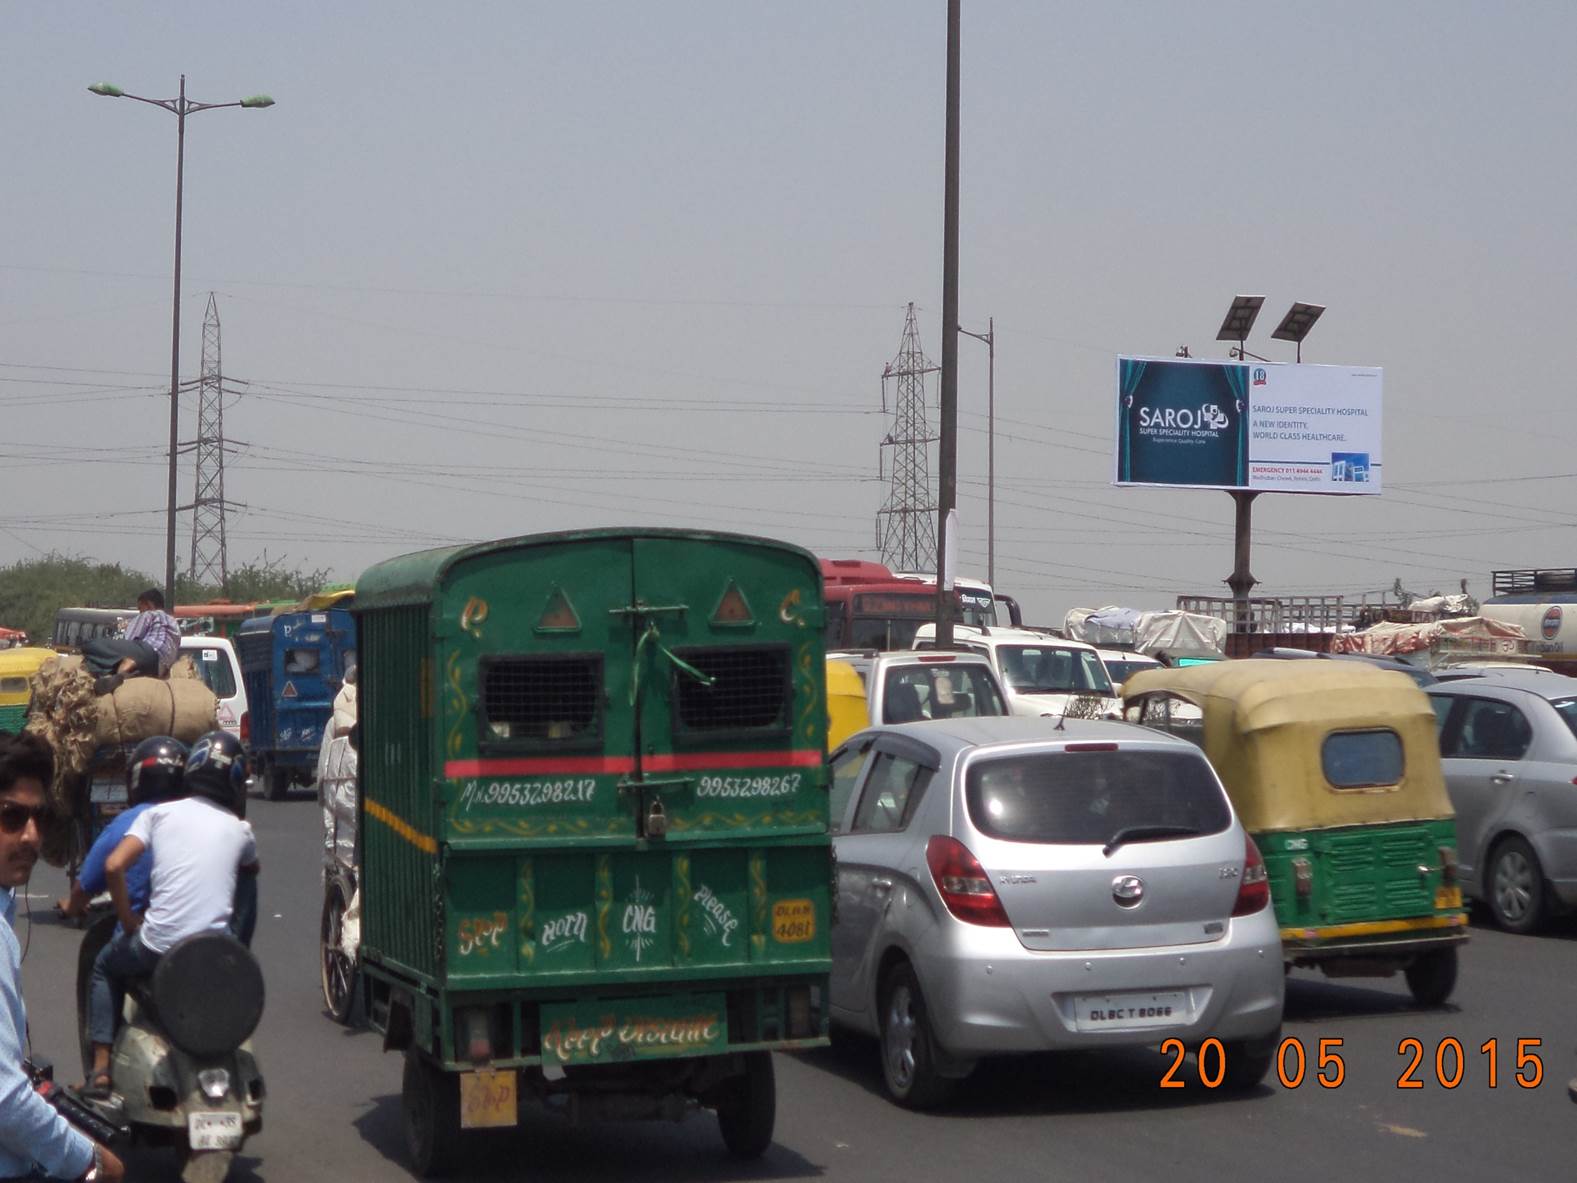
{"points": [[1322, 1064]]}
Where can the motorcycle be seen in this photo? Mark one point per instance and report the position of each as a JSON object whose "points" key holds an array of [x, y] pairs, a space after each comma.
{"points": [[182, 1068]]}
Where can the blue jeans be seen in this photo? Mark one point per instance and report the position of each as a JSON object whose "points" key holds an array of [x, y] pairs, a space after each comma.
{"points": [[123, 960]]}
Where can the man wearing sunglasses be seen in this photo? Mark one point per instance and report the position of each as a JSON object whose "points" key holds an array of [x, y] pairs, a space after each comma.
{"points": [[31, 1132]]}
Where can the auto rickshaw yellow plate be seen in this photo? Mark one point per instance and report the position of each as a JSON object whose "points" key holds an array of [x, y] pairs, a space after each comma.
{"points": [[487, 1100], [1448, 897]]}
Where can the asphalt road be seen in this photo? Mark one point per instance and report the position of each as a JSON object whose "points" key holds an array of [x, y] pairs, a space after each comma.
{"points": [[333, 1097]]}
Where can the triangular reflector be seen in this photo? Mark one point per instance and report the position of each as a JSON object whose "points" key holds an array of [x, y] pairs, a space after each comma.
{"points": [[289, 691], [559, 614], [733, 607]]}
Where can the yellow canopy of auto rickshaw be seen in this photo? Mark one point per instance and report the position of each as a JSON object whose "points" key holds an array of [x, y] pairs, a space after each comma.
{"points": [[847, 710], [1265, 724], [17, 667]]}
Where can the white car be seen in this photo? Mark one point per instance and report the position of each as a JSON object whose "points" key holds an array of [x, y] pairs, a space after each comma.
{"points": [[215, 661], [1121, 663], [1043, 675]]}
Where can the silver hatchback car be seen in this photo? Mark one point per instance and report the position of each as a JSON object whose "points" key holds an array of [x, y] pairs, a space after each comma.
{"points": [[1006, 886], [1508, 746]]}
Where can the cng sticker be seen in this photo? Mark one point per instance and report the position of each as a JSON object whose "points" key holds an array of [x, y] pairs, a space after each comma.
{"points": [[1551, 624], [733, 609], [793, 921], [558, 614], [289, 691]]}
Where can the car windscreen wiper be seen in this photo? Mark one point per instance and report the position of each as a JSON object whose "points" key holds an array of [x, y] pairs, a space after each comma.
{"points": [[1129, 833]]}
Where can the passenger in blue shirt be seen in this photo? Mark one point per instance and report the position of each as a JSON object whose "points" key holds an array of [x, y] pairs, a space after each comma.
{"points": [[32, 1134], [153, 775]]}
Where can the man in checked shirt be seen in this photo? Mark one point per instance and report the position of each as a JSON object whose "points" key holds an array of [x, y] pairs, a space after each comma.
{"points": [[149, 646]]}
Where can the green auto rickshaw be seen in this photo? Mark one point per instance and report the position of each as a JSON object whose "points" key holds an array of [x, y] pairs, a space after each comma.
{"points": [[1334, 769]]}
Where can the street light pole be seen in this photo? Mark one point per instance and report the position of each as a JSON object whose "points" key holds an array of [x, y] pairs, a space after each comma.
{"points": [[990, 338], [180, 108]]}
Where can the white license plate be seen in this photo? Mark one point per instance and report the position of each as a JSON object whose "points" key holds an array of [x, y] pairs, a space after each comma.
{"points": [[1123, 1012], [107, 792], [213, 1131]]}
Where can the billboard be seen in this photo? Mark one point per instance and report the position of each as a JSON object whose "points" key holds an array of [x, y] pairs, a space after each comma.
{"points": [[1272, 427]]}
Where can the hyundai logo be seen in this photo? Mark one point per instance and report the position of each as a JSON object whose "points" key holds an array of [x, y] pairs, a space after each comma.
{"points": [[1128, 890]]}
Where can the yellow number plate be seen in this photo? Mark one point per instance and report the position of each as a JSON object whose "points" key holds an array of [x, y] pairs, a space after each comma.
{"points": [[487, 1100], [1448, 897], [793, 921]]}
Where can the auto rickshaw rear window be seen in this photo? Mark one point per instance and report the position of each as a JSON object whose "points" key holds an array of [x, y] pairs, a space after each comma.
{"points": [[750, 689], [1362, 759], [13, 685], [1084, 798], [542, 700]]}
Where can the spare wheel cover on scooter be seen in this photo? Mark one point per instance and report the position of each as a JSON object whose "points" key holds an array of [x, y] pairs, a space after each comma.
{"points": [[207, 992]]}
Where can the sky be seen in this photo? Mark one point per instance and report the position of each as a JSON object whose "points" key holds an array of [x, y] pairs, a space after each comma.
{"points": [[493, 269]]}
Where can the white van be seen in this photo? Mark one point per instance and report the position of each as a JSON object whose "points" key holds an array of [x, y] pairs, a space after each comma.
{"points": [[216, 664], [1042, 675]]}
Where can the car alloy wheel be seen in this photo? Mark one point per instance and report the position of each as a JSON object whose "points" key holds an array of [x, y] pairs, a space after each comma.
{"points": [[1516, 886]]}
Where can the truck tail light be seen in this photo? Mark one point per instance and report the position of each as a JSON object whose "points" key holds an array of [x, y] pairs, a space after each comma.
{"points": [[1254, 887], [246, 728], [963, 883]]}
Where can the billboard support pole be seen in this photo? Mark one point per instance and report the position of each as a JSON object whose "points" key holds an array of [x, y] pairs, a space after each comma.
{"points": [[1242, 579]]}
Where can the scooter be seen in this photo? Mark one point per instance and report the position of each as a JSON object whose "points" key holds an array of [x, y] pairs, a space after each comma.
{"points": [[182, 1068]]}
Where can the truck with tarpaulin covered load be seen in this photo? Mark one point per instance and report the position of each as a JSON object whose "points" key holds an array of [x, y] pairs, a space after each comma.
{"points": [[595, 871], [292, 665]]}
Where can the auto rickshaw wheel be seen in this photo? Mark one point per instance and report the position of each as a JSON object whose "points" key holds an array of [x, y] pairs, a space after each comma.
{"points": [[337, 972], [1432, 976], [276, 782], [749, 1111], [908, 1055], [430, 1104], [1516, 886]]}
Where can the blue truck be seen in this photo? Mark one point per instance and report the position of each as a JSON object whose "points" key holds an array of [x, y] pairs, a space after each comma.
{"points": [[292, 664]]}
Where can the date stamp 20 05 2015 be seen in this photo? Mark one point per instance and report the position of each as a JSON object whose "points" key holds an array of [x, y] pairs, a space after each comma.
{"points": [[1321, 1063]]}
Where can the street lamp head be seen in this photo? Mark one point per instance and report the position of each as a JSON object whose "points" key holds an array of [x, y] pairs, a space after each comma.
{"points": [[258, 100], [108, 91]]}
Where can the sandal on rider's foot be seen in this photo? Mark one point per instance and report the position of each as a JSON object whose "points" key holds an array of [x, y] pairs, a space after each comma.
{"points": [[98, 1086]]}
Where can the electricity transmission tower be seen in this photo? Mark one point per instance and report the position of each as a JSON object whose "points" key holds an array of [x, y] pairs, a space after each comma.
{"points": [[210, 563], [906, 523]]}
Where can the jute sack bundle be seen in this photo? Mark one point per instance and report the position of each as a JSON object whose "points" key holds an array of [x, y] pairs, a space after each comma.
{"points": [[144, 707]]}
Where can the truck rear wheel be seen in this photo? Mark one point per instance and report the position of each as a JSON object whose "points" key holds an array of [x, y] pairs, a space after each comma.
{"points": [[276, 782], [430, 1105], [749, 1112]]}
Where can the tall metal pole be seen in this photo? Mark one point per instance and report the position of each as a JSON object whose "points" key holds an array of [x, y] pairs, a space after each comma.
{"points": [[991, 453], [947, 460], [175, 354]]}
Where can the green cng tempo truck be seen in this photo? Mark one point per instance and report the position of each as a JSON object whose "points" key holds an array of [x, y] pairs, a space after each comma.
{"points": [[595, 871]]}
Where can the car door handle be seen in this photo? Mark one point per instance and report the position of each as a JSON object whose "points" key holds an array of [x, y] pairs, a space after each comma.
{"points": [[1503, 778], [882, 885]]}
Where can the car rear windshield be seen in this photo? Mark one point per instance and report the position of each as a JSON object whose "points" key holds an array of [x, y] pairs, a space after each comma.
{"points": [[213, 667], [1362, 759], [1043, 669], [1566, 708], [1086, 798], [950, 690]]}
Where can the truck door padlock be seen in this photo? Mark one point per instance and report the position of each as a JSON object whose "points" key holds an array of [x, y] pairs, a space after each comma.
{"points": [[656, 819]]}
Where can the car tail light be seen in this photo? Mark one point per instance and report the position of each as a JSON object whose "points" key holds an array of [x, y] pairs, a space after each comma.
{"points": [[963, 884], [1254, 887], [1448, 865], [246, 728]]}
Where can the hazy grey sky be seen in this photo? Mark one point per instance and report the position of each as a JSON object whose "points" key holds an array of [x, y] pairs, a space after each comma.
{"points": [[500, 268]]}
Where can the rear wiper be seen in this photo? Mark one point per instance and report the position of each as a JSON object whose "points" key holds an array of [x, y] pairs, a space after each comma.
{"points": [[1128, 833]]}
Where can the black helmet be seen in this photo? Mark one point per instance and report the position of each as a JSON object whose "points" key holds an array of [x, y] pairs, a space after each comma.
{"points": [[216, 769], [153, 773]]}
